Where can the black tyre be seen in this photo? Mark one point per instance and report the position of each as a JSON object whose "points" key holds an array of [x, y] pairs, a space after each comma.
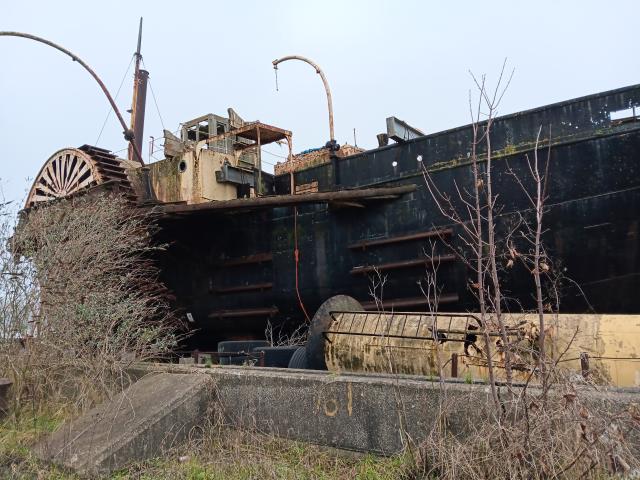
{"points": [[276, 356], [238, 346], [320, 324], [299, 359]]}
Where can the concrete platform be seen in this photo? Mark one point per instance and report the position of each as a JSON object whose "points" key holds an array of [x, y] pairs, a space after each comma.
{"points": [[366, 413], [154, 414], [377, 413]]}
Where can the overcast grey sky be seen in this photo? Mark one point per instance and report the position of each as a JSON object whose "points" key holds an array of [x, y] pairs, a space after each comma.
{"points": [[404, 58]]}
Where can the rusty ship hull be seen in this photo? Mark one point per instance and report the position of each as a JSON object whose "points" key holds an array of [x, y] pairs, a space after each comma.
{"points": [[241, 272]]}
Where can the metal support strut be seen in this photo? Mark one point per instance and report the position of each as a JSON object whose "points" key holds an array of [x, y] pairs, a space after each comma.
{"points": [[140, 79], [128, 133], [332, 142]]}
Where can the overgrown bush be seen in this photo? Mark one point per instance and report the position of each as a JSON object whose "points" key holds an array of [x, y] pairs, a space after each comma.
{"points": [[80, 300]]}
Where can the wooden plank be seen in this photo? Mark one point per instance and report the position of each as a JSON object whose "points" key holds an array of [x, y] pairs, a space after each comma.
{"points": [[268, 132]]}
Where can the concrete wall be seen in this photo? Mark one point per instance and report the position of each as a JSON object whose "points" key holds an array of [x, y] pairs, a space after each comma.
{"points": [[375, 413], [367, 413]]}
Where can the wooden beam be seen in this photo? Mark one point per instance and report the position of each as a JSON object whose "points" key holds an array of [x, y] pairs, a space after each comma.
{"points": [[288, 200]]}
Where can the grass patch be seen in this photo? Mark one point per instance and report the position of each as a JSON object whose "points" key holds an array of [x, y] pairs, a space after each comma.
{"points": [[17, 434], [219, 455], [242, 456]]}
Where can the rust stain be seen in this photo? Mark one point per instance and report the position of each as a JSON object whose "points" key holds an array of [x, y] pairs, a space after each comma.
{"points": [[403, 343], [330, 407], [197, 188]]}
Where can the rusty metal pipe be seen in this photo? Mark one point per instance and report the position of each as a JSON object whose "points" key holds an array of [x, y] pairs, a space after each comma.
{"points": [[403, 264], [137, 117], [324, 81], [128, 134], [363, 244], [140, 79]]}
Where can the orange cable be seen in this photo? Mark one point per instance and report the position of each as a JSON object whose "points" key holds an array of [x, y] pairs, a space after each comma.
{"points": [[296, 254]]}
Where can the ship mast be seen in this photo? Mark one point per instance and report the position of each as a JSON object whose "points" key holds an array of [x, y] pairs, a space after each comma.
{"points": [[140, 78]]}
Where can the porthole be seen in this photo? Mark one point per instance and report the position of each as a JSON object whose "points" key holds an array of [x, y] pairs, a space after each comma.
{"points": [[182, 166]]}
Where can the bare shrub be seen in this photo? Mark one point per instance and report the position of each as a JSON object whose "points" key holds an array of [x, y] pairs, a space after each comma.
{"points": [[552, 429], [577, 434], [277, 336], [81, 300]]}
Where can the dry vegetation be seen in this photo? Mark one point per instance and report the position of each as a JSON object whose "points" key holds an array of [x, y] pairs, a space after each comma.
{"points": [[81, 300], [219, 455], [549, 426]]}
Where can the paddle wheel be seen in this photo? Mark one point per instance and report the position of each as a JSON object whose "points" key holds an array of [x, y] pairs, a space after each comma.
{"points": [[75, 170]]}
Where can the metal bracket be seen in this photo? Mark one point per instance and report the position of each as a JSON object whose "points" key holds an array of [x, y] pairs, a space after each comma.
{"points": [[237, 176], [401, 131]]}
